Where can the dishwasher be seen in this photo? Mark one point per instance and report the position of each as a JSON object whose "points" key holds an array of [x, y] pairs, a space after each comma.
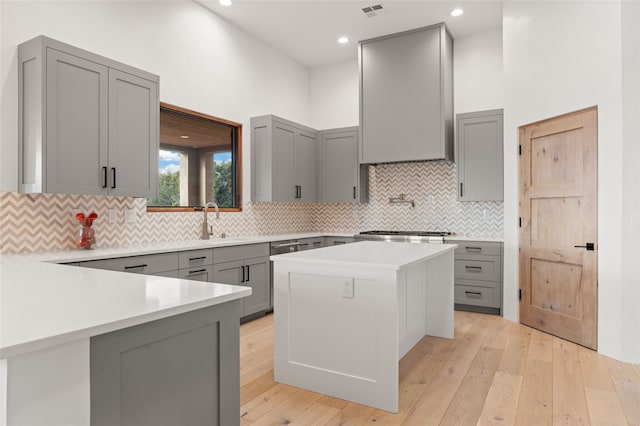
{"points": [[279, 247]]}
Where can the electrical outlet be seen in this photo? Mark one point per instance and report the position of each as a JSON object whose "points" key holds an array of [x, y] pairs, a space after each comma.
{"points": [[113, 216], [130, 216], [347, 289]]}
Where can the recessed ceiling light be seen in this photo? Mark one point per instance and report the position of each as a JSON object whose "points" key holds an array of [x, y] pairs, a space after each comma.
{"points": [[225, 2], [343, 40], [457, 12], [184, 137]]}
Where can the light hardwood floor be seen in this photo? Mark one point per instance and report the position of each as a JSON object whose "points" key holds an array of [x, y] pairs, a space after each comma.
{"points": [[493, 372]]}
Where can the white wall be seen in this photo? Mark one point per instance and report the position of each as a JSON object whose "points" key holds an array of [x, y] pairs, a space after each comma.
{"points": [[630, 282], [334, 95], [205, 64], [477, 72], [561, 57]]}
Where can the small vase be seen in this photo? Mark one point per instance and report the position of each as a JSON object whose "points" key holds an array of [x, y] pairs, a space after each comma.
{"points": [[87, 237]]}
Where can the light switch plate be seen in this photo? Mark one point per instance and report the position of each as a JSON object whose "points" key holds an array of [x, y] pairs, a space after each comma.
{"points": [[347, 289]]}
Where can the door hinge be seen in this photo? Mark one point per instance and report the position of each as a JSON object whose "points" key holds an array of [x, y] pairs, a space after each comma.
{"points": [[519, 294], [519, 149]]}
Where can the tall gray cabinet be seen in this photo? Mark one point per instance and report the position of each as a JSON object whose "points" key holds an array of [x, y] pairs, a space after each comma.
{"points": [[284, 157], [406, 96], [87, 124], [480, 156], [342, 179]]}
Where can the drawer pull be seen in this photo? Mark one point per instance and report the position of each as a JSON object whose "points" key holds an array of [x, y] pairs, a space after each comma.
{"points": [[197, 271], [473, 268], [135, 266], [473, 293], [191, 259], [474, 249]]}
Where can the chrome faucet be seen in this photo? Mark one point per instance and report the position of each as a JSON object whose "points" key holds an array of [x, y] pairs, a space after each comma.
{"points": [[205, 227]]}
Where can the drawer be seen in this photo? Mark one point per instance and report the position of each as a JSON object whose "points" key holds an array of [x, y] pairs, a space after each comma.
{"points": [[311, 243], [229, 254], [486, 268], [147, 264], [477, 247], [192, 258], [197, 273], [478, 295], [334, 241]]}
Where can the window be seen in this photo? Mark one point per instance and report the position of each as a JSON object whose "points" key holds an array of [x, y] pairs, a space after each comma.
{"points": [[199, 162]]}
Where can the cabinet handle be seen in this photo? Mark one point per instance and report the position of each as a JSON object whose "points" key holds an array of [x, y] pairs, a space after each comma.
{"points": [[242, 280], [473, 293], [104, 177], [461, 191], [473, 268], [474, 249], [191, 259], [113, 174], [354, 192], [300, 193], [248, 276], [197, 271], [135, 266]]}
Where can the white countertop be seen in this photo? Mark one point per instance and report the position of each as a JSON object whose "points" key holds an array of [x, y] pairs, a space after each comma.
{"points": [[369, 254], [43, 304]]}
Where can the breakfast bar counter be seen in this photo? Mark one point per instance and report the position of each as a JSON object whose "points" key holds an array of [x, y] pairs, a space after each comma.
{"points": [[344, 316]]}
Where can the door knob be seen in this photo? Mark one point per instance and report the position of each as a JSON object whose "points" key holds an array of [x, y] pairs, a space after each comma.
{"points": [[588, 246]]}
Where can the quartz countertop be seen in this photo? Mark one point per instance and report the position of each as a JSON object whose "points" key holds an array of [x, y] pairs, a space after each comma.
{"points": [[368, 254], [43, 304]]}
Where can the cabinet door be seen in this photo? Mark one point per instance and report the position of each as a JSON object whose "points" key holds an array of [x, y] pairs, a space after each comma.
{"points": [[133, 135], [306, 166], [228, 272], [257, 277], [401, 101], [283, 171], [480, 156], [76, 125], [339, 167]]}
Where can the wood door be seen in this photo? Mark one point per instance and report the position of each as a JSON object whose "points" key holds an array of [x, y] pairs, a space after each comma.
{"points": [[558, 213]]}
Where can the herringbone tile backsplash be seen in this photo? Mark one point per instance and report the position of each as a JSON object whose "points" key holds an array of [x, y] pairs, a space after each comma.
{"points": [[39, 222]]}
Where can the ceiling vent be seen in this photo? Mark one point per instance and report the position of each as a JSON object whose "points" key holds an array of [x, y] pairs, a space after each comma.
{"points": [[373, 10]]}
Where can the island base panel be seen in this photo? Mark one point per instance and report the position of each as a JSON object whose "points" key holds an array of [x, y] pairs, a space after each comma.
{"points": [[178, 370]]}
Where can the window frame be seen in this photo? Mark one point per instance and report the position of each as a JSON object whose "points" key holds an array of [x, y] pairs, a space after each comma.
{"points": [[238, 168]]}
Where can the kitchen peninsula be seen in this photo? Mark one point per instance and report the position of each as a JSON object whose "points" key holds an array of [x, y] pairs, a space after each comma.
{"points": [[344, 316], [82, 346]]}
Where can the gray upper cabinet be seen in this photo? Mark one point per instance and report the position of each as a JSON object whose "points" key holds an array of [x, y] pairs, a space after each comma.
{"points": [[284, 157], [480, 156], [87, 124], [342, 179], [406, 96]]}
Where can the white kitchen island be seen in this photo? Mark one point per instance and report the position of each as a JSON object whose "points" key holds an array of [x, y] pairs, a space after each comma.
{"points": [[346, 315]]}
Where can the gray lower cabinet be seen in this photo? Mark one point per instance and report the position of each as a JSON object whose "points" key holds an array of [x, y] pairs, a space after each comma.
{"points": [[196, 265], [480, 156], [245, 265], [181, 370], [86, 124], [311, 243], [342, 178], [406, 96], [153, 264], [334, 241], [478, 276], [284, 158]]}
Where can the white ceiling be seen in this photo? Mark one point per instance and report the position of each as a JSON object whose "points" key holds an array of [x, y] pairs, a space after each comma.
{"points": [[307, 30]]}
